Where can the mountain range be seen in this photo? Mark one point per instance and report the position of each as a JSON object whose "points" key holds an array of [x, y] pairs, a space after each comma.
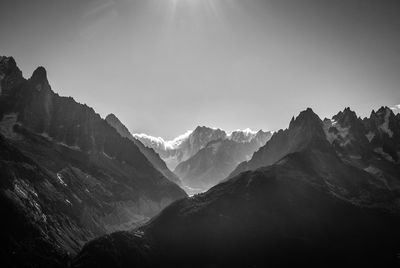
{"points": [[217, 159], [185, 146], [67, 176], [203, 157], [77, 190], [213, 153], [319, 193]]}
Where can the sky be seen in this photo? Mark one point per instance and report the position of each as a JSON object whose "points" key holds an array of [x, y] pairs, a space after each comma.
{"points": [[165, 66]]}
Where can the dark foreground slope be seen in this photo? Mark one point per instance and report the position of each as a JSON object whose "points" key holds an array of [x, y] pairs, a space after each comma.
{"points": [[29, 228], [310, 207], [66, 175]]}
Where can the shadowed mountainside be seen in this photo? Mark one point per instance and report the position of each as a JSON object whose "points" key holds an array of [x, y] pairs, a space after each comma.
{"points": [[66, 175]]}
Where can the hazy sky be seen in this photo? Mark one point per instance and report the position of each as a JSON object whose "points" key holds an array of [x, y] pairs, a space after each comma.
{"points": [[166, 66]]}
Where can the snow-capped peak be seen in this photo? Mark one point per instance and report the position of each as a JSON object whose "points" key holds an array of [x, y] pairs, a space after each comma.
{"points": [[246, 131], [160, 142], [239, 135], [178, 140]]}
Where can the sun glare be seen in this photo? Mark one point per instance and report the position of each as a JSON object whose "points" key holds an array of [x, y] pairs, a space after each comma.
{"points": [[207, 8]]}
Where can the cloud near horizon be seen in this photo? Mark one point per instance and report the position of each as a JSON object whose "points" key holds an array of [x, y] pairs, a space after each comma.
{"points": [[396, 108]]}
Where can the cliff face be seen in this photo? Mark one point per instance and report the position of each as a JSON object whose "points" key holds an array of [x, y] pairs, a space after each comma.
{"points": [[66, 166]]}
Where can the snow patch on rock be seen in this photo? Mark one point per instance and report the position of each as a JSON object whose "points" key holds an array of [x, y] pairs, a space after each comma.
{"points": [[74, 147], [109, 157], [159, 142], [20, 191], [60, 180], [28, 197]]}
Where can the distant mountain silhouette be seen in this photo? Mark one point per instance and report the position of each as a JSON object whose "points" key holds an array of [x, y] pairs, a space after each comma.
{"points": [[67, 176], [198, 165], [183, 147], [320, 193], [217, 160]]}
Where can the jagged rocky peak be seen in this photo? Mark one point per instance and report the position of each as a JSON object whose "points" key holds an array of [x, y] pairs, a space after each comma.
{"points": [[39, 75], [111, 117], [245, 135], [306, 119], [346, 118], [201, 136], [203, 130], [10, 74], [262, 137], [383, 132], [381, 112], [39, 80], [384, 109], [303, 130], [7, 63], [346, 132], [373, 113], [239, 135], [386, 114], [383, 121], [113, 121]]}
